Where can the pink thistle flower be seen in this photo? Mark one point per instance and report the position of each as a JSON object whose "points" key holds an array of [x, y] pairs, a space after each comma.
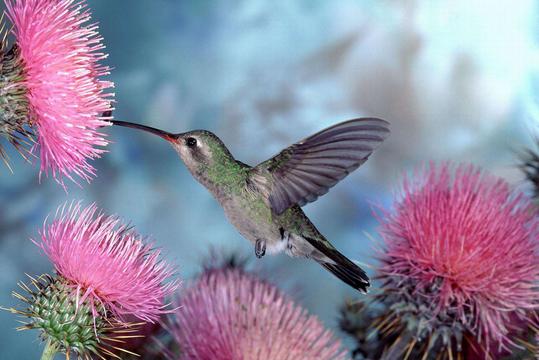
{"points": [[60, 53], [461, 259], [229, 314], [107, 263]]}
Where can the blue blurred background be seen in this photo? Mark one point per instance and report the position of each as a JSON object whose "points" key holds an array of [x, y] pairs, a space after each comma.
{"points": [[456, 79]]}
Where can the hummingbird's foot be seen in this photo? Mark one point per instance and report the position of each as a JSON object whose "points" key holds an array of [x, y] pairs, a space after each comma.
{"points": [[260, 248]]}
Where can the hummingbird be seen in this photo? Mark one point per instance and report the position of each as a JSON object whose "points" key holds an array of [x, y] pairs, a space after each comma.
{"points": [[264, 201]]}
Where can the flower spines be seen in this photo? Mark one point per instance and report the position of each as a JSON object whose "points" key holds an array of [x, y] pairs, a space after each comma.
{"points": [[56, 312], [68, 321], [383, 329], [14, 109]]}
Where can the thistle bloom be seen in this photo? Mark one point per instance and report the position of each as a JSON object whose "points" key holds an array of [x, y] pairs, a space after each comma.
{"points": [[51, 83], [461, 261], [106, 277], [107, 262], [230, 314]]}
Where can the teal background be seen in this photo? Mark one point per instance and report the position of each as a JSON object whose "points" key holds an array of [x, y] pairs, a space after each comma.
{"points": [[456, 79]]}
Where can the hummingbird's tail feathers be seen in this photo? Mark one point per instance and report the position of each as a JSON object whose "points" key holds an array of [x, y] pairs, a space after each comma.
{"points": [[340, 266], [350, 273]]}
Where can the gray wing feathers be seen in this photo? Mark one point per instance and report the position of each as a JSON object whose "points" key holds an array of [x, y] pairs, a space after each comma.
{"points": [[308, 169]]}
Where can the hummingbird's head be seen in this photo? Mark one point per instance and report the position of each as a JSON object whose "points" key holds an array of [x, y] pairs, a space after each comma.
{"points": [[200, 150]]}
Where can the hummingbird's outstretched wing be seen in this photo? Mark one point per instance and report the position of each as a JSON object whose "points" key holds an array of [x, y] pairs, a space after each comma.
{"points": [[309, 168]]}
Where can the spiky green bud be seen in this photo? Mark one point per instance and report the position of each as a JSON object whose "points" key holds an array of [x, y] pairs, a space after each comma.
{"points": [[70, 324], [55, 310]]}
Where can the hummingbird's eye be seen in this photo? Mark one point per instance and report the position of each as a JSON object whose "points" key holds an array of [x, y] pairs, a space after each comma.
{"points": [[191, 142]]}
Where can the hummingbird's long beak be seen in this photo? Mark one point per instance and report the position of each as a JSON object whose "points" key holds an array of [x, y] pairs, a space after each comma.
{"points": [[164, 134]]}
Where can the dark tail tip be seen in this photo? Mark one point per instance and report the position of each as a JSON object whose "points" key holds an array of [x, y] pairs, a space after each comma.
{"points": [[340, 266], [350, 273]]}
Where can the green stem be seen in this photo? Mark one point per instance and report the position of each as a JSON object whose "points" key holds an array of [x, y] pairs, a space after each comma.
{"points": [[50, 350]]}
